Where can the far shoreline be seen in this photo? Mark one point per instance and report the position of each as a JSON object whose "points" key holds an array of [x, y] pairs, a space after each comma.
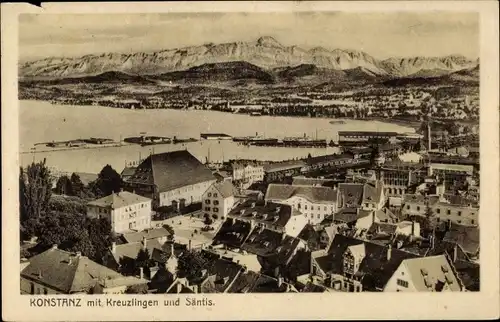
{"points": [[390, 121]]}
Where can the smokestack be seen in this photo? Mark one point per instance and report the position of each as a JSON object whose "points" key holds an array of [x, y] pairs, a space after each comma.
{"points": [[373, 217], [389, 252], [172, 248], [189, 244], [413, 227], [113, 247], [141, 272]]}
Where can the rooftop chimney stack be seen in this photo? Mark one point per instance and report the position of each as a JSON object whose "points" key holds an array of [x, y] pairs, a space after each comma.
{"points": [[389, 252], [172, 248], [141, 272]]}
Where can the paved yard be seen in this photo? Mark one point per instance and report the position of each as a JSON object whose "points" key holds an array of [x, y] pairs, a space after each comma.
{"points": [[184, 228]]}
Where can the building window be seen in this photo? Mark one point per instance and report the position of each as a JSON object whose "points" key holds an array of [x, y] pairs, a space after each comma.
{"points": [[32, 288], [207, 201], [418, 208], [438, 210], [207, 208], [325, 208], [216, 209], [318, 216], [437, 219], [216, 202], [408, 207], [402, 283], [215, 195], [459, 221], [449, 212], [472, 221], [460, 213], [209, 194], [45, 291], [305, 207]]}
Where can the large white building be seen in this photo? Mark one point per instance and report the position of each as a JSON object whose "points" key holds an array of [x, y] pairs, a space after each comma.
{"points": [[175, 179], [315, 202], [126, 211], [219, 199]]}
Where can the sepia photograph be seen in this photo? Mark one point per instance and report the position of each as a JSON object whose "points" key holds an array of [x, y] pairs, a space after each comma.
{"points": [[188, 154]]}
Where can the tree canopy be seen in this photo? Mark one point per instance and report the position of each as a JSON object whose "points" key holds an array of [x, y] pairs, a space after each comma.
{"points": [[35, 189], [191, 264], [108, 181]]}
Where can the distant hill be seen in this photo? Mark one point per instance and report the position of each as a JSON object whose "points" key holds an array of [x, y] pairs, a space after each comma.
{"points": [[219, 72], [468, 76], [266, 53], [106, 77]]}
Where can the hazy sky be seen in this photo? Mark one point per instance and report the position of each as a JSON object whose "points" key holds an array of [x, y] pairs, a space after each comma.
{"points": [[381, 35]]}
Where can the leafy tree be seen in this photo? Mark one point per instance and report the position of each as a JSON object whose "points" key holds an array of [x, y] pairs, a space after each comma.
{"points": [[77, 185], [191, 264], [108, 181], [35, 185], [99, 231], [64, 186], [68, 231]]}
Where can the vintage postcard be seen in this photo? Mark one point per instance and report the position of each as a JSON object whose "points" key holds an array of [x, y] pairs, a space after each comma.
{"points": [[252, 160]]}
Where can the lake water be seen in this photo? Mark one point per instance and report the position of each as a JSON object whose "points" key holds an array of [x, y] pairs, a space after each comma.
{"points": [[42, 122]]}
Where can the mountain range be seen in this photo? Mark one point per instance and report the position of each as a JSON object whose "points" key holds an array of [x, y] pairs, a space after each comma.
{"points": [[263, 60]]}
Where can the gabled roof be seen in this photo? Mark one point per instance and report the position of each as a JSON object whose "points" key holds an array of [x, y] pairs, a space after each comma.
{"points": [[303, 181], [267, 284], [119, 200], [128, 171], [171, 170], [264, 212], [465, 236], [350, 194], [225, 272], [131, 250], [431, 273], [314, 194], [226, 189], [375, 269], [233, 233], [244, 282], [71, 273], [285, 165], [148, 234], [328, 158]]}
